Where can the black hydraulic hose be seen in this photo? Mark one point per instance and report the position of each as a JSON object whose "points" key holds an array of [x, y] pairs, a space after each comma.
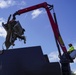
{"points": [[54, 35]]}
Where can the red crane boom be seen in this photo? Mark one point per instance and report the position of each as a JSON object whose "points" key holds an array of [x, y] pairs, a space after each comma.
{"points": [[53, 24]]}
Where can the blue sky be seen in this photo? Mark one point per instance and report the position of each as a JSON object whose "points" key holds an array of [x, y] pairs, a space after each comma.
{"points": [[37, 25]]}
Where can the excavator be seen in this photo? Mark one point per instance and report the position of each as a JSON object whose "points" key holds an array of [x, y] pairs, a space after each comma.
{"points": [[14, 30], [53, 22]]}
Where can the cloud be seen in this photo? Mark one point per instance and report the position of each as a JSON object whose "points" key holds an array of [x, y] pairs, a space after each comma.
{"points": [[21, 3], [75, 60], [53, 56], [36, 13], [75, 71], [6, 3], [2, 30]]}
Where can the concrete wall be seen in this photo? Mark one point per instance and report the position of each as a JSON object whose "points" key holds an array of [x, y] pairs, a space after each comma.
{"points": [[27, 61]]}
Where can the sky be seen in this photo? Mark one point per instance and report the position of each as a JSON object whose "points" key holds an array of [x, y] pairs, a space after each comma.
{"points": [[38, 30]]}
